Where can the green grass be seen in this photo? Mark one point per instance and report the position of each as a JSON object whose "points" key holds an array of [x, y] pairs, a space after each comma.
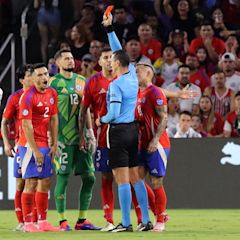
{"points": [[183, 224]]}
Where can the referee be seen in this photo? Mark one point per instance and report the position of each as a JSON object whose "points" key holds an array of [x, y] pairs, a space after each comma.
{"points": [[123, 133]]}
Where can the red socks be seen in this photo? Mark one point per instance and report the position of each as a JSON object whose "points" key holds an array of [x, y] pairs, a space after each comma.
{"points": [[161, 203], [34, 211], [41, 199], [136, 206], [151, 197], [107, 199], [18, 206], [27, 204]]}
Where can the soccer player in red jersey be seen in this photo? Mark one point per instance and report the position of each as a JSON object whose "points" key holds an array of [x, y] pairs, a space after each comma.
{"points": [[38, 115], [154, 145], [11, 113]]}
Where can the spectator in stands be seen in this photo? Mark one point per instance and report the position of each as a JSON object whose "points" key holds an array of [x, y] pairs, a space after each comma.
{"points": [[230, 125], [204, 62], [173, 115], [157, 28], [179, 40], [183, 18], [214, 46], [197, 76], [183, 129], [150, 47], [167, 66], [49, 21], [79, 38], [133, 50], [122, 26], [228, 64], [52, 67], [197, 125], [87, 66], [222, 97], [212, 122], [95, 50], [183, 81]]}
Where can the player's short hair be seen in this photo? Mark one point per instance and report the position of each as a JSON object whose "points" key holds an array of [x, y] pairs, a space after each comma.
{"points": [[39, 65], [122, 57], [185, 113], [184, 66], [21, 71], [237, 94], [58, 54], [106, 49]]}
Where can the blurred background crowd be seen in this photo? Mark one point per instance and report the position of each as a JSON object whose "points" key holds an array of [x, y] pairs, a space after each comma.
{"points": [[204, 35]]}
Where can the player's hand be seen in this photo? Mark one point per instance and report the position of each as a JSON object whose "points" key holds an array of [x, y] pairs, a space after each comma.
{"points": [[153, 145], [107, 20], [39, 159], [53, 152], [9, 150], [97, 122], [91, 141], [186, 94], [83, 144]]}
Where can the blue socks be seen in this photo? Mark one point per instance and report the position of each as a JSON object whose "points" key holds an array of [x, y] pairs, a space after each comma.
{"points": [[125, 199], [142, 197]]}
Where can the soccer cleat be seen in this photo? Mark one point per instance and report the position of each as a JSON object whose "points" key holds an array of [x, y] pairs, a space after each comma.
{"points": [[108, 227], [159, 227], [30, 227], [19, 227], [121, 228], [86, 225], [64, 226], [47, 227], [145, 227]]}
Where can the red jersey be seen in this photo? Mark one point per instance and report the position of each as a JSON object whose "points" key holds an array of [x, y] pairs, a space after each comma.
{"points": [[95, 93], [201, 79], [152, 49], [221, 103], [11, 111], [217, 127], [231, 118], [38, 107], [217, 44], [148, 99]]}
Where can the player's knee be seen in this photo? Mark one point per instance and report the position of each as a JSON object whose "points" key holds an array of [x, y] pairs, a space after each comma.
{"points": [[157, 182], [107, 176], [20, 184], [44, 185], [30, 185], [89, 180]]}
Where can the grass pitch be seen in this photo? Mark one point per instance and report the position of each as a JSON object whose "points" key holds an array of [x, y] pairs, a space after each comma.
{"points": [[183, 225]]}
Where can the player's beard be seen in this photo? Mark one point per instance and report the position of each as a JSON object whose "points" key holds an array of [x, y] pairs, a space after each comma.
{"points": [[68, 69]]}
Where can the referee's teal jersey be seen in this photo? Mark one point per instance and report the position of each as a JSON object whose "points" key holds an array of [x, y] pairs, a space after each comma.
{"points": [[124, 89]]}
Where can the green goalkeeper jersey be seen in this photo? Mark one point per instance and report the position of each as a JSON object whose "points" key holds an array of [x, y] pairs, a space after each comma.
{"points": [[70, 92]]}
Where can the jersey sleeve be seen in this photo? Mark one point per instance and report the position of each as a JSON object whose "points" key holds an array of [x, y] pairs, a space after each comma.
{"points": [[87, 94], [10, 109], [115, 94], [157, 97], [55, 101], [25, 106]]}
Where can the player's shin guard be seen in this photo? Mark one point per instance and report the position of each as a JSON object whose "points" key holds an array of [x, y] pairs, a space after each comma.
{"points": [[41, 199], [85, 194], [161, 203], [136, 206], [151, 197], [60, 194], [18, 206], [34, 211], [125, 198], [27, 204], [142, 198], [107, 199]]}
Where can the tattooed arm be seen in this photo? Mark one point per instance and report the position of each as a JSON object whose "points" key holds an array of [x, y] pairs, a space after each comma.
{"points": [[162, 113]]}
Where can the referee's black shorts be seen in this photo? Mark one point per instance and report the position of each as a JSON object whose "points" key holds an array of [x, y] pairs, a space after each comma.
{"points": [[123, 141]]}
